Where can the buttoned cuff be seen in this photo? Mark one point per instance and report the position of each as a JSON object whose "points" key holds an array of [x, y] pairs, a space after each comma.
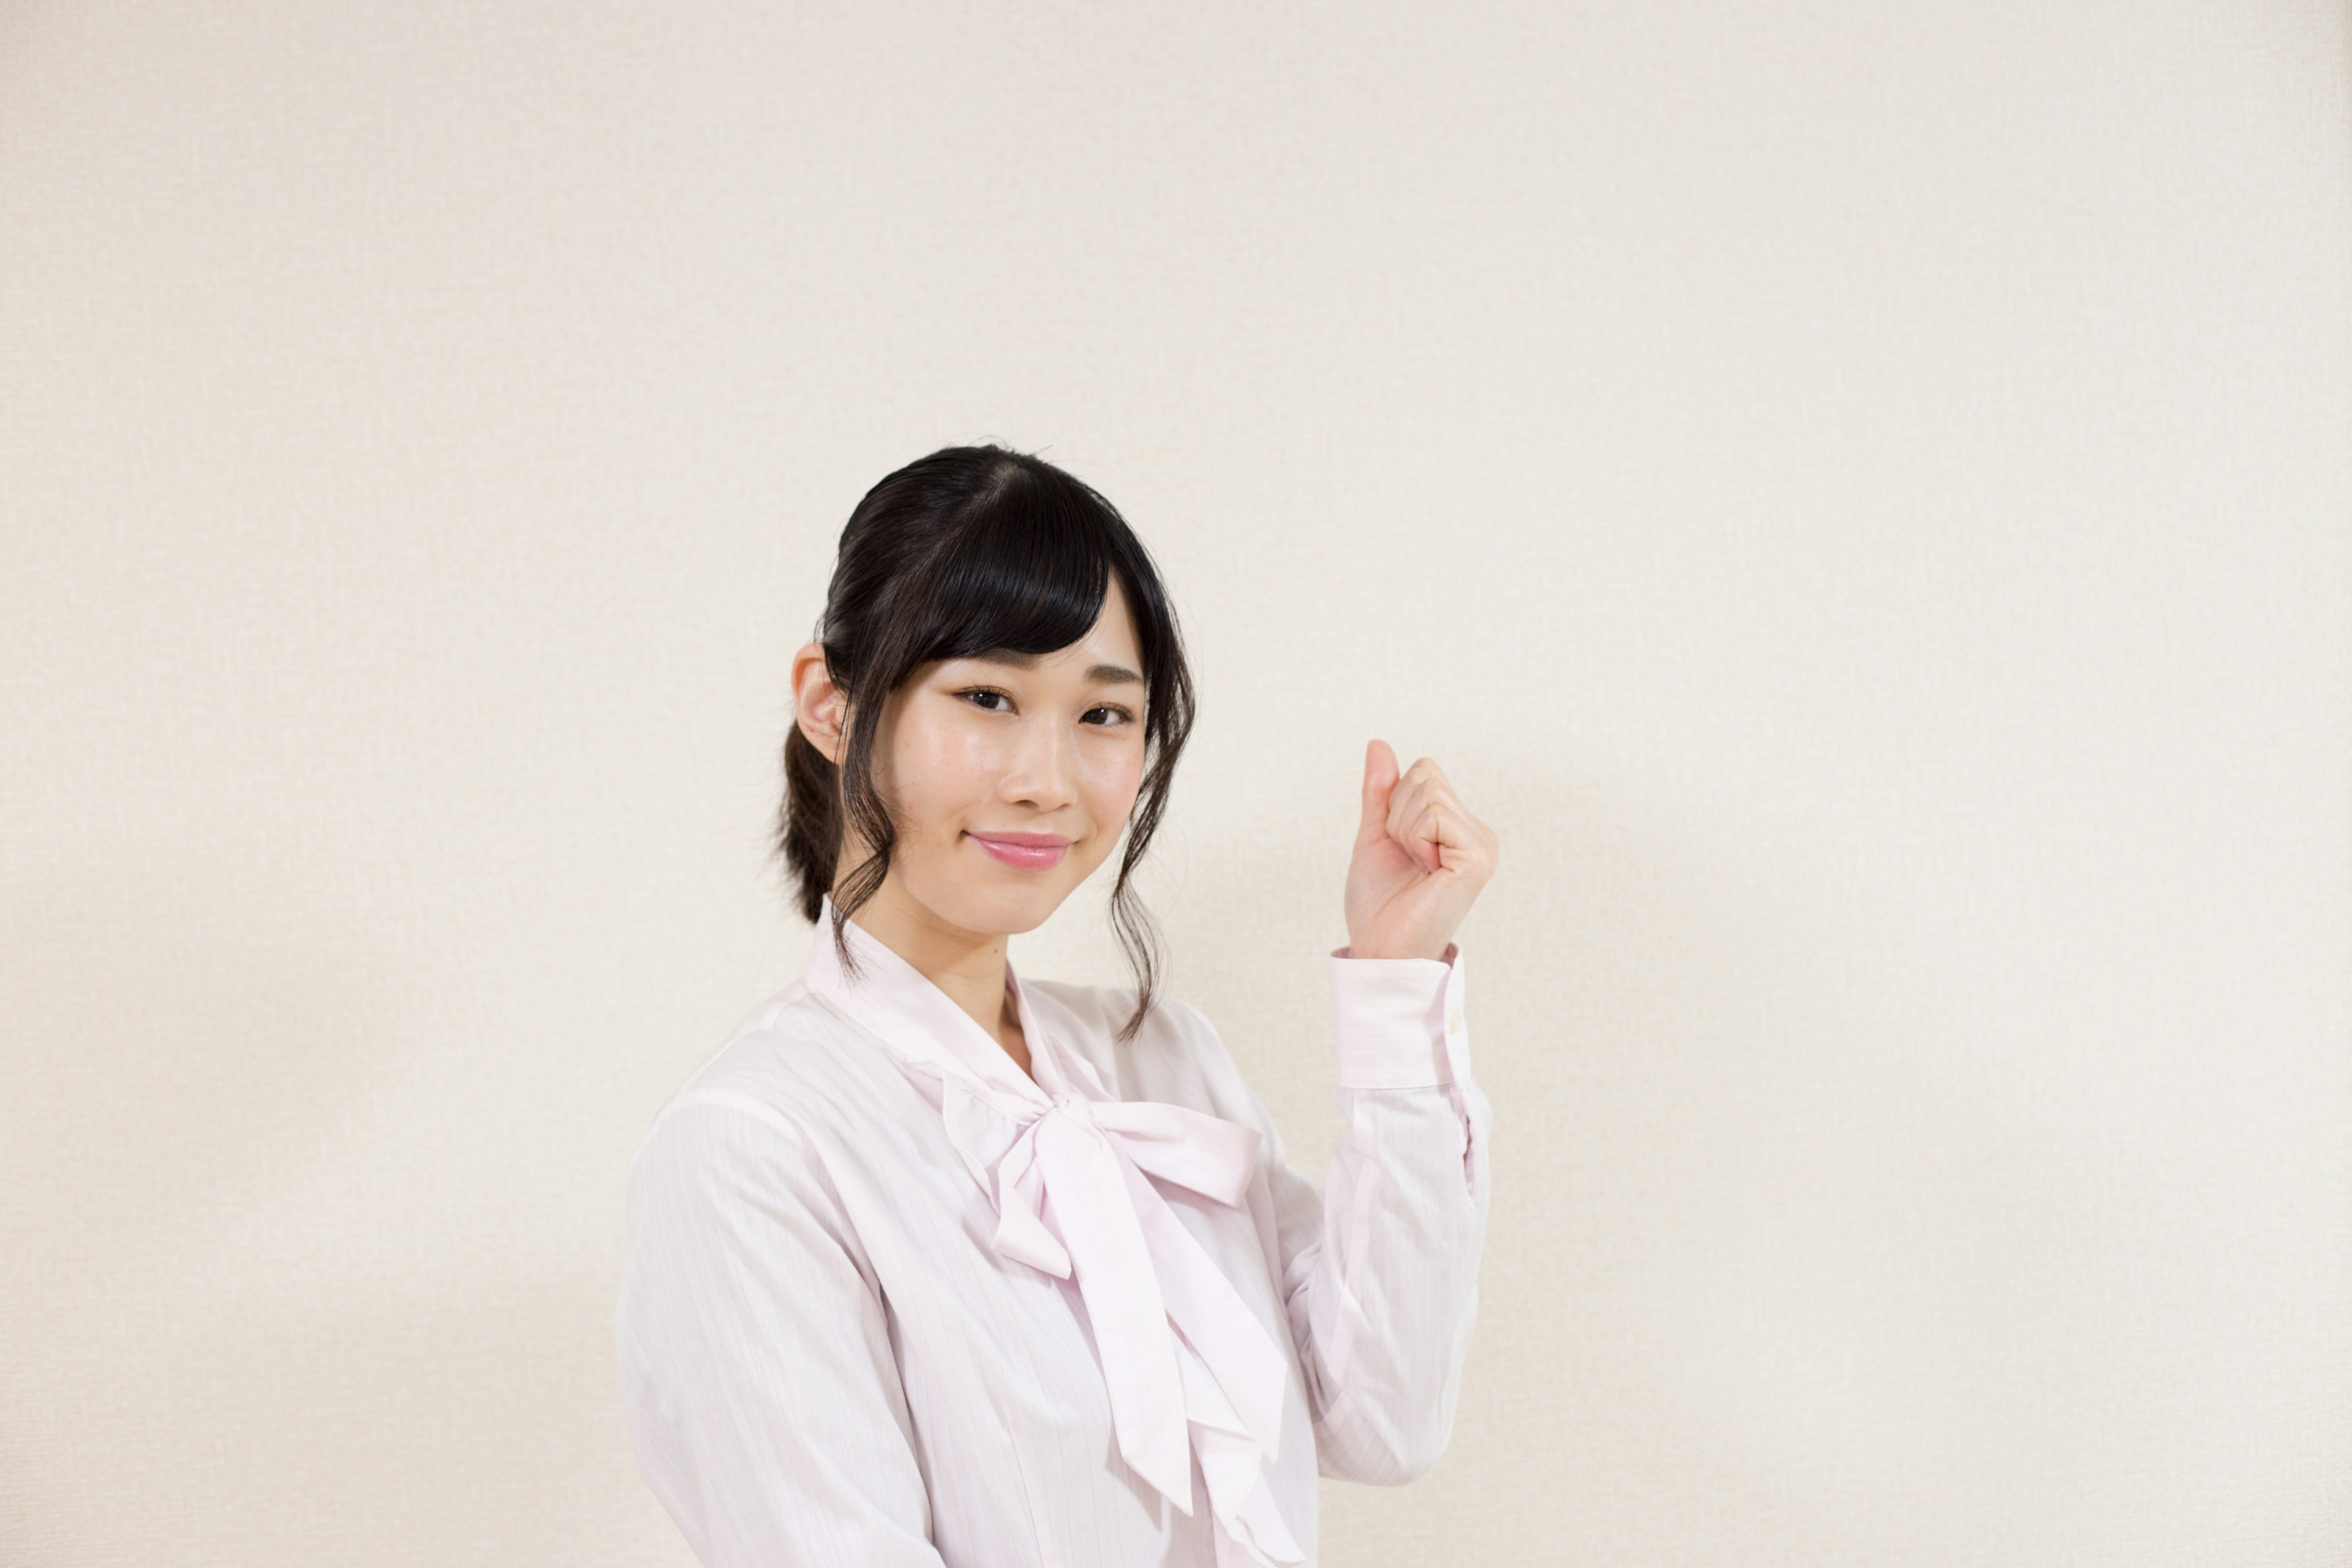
{"points": [[1399, 1020]]}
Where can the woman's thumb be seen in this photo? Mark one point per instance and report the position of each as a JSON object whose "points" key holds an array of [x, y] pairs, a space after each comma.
{"points": [[1379, 778]]}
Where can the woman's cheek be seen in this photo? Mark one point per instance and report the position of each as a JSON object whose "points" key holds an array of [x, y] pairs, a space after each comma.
{"points": [[951, 767], [1117, 786]]}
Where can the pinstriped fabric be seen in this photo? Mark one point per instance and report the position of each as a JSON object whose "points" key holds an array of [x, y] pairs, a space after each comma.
{"points": [[824, 1360]]}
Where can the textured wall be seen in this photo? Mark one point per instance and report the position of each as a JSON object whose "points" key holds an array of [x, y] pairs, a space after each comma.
{"points": [[1860, 498]]}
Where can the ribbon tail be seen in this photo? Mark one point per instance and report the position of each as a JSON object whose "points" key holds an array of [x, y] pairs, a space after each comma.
{"points": [[1237, 1353], [1235, 1382], [1241, 1497], [1258, 1529], [1121, 1290]]}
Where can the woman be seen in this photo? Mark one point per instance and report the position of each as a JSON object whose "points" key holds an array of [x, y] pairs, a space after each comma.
{"points": [[934, 1264]]}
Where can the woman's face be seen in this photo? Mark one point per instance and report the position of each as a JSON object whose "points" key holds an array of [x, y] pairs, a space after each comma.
{"points": [[1011, 781]]}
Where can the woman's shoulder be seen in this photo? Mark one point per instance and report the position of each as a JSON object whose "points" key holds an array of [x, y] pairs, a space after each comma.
{"points": [[778, 1126], [790, 1065]]}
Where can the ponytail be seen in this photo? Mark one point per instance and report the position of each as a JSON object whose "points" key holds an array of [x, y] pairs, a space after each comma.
{"points": [[809, 831]]}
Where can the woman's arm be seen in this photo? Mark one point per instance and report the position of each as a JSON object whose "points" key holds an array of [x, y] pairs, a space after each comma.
{"points": [[761, 1397], [1378, 1265]]}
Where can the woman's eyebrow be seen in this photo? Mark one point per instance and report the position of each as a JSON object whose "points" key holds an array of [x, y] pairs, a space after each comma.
{"points": [[1102, 674]]}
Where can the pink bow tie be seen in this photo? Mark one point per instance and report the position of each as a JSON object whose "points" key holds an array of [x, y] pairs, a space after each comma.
{"points": [[1071, 1172], [1179, 1347]]}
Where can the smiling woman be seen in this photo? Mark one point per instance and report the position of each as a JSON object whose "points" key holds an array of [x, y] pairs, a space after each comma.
{"points": [[935, 1264], [998, 662]]}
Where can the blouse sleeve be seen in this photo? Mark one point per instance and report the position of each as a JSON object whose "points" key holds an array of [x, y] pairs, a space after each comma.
{"points": [[761, 1397], [1379, 1263]]}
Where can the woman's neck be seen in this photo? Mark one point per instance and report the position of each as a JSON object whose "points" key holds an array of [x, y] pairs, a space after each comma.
{"points": [[968, 967]]}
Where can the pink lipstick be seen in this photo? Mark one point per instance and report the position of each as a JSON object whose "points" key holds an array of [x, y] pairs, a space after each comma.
{"points": [[1030, 851]]}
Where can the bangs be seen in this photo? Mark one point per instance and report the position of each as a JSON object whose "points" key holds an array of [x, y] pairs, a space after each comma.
{"points": [[1026, 571]]}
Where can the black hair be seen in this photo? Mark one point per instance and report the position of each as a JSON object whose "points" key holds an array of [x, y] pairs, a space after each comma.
{"points": [[974, 550]]}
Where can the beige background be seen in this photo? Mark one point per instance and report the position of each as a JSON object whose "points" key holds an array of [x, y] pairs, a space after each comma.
{"points": [[1861, 498]]}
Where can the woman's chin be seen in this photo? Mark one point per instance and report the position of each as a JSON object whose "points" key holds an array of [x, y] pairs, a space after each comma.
{"points": [[1021, 905]]}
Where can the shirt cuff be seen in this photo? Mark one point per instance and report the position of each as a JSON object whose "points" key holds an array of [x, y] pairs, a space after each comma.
{"points": [[1399, 1020]]}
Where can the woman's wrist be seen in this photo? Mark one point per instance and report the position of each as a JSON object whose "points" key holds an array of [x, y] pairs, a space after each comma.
{"points": [[1443, 955]]}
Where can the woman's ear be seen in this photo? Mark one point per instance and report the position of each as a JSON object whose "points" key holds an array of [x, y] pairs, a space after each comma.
{"points": [[819, 706]]}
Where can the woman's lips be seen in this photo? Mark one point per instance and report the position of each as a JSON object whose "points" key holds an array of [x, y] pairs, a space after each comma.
{"points": [[1030, 851]]}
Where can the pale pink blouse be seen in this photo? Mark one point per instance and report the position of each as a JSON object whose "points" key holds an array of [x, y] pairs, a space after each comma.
{"points": [[887, 1299]]}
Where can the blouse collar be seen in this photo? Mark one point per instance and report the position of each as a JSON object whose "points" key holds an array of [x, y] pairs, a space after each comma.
{"points": [[906, 1006]]}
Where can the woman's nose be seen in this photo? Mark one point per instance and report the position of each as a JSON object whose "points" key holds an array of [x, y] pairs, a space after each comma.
{"points": [[1044, 771]]}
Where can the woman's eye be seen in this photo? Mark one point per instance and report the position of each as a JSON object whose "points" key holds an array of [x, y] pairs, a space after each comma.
{"points": [[989, 700]]}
